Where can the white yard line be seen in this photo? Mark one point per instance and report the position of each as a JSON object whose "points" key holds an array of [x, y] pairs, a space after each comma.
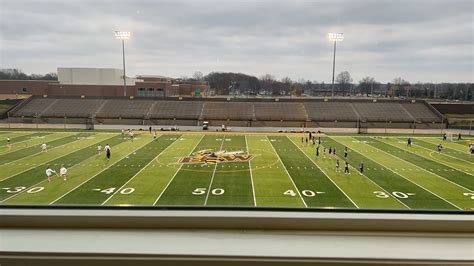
{"points": [[177, 171], [39, 151], [98, 173], [52, 159], [437, 160], [213, 173], [31, 138], [408, 179], [251, 175], [143, 168], [330, 179], [416, 166], [388, 193], [286, 170], [464, 151], [42, 181]]}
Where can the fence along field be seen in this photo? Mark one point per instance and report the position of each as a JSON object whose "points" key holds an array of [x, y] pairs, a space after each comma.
{"points": [[232, 169]]}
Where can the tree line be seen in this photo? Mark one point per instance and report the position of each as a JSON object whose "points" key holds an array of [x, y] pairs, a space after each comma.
{"points": [[239, 84], [17, 74], [246, 85]]}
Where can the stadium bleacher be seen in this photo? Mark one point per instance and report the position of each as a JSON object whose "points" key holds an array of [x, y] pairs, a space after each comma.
{"points": [[276, 111], [125, 108], [421, 112], [34, 107], [292, 111], [378, 112], [173, 109], [73, 107], [331, 111], [227, 110]]}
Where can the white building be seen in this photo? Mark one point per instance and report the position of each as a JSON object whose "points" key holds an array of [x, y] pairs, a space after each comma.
{"points": [[93, 76]]}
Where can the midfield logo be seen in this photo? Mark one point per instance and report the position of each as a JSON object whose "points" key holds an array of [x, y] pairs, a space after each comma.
{"points": [[213, 157]]}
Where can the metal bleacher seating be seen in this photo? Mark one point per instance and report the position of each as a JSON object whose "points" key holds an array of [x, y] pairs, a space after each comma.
{"points": [[202, 109], [331, 111], [176, 109], [73, 107], [421, 112], [125, 108], [228, 110], [382, 111], [34, 107], [275, 111]]}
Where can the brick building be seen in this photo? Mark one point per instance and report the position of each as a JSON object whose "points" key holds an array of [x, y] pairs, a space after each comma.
{"points": [[105, 83]]}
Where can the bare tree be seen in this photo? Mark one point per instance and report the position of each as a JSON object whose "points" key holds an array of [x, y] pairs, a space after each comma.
{"points": [[198, 75], [287, 82], [344, 80], [401, 86], [267, 77], [368, 85]]}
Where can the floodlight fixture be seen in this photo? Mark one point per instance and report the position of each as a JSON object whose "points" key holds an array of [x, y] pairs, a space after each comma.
{"points": [[336, 37], [122, 35]]}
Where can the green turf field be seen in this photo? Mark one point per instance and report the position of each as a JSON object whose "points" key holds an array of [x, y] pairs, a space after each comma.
{"points": [[268, 170]]}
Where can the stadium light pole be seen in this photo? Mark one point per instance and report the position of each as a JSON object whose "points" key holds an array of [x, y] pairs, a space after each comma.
{"points": [[123, 35], [335, 37]]}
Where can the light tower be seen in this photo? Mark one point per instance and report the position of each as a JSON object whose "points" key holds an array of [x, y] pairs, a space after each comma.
{"points": [[336, 37], [123, 35]]}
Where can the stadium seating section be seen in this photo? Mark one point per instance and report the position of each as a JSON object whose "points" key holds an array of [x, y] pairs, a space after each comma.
{"points": [[331, 111], [173, 109], [124, 109], [236, 110]]}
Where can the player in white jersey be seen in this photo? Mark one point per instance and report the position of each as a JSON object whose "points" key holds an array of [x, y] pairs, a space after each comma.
{"points": [[9, 145], [44, 147], [63, 172], [49, 173], [99, 149]]}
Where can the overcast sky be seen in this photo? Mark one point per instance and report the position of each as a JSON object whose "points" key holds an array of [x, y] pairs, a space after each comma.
{"points": [[418, 40]]}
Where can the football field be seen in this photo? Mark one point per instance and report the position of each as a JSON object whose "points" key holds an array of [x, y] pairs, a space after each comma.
{"points": [[237, 169]]}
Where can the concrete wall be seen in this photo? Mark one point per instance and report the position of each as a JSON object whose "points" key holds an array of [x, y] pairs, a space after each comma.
{"points": [[453, 108]]}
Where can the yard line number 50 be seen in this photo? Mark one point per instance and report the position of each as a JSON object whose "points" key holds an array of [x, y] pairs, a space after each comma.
{"points": [[202, 190]]}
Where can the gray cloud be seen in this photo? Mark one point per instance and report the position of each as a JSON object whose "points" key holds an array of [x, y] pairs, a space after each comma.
{"points": [[420, 40]]}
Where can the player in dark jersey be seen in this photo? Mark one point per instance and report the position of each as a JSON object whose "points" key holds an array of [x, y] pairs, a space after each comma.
{"points": [[107, 151], [337, 165], [409, 142], [317, 152], [346, 168], [361, 168], [345, 152]]}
